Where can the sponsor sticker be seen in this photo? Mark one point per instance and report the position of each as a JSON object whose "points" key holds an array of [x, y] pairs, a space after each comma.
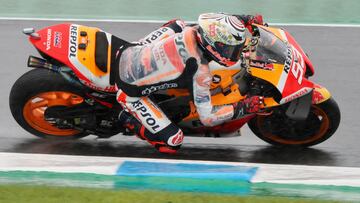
{"points": [[155, 88], [295, 95], [110, 88], [160, 55], [48, 39], [145, 115], [57, 39], [257, 64], [177, 139], [288, 60], [73, 41], [180, 46]]}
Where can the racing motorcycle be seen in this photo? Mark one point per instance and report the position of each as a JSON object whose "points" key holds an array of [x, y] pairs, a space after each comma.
{"points": [[71, 92]]}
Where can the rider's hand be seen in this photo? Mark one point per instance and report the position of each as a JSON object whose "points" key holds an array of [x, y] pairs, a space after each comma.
{"points": [[249, 105], [258, 19], [253, 104]]}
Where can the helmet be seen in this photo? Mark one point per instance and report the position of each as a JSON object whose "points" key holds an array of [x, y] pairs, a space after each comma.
{"points": [[222, 37]]}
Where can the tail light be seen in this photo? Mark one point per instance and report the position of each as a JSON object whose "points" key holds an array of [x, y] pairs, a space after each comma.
{"points": [[31, 32]]}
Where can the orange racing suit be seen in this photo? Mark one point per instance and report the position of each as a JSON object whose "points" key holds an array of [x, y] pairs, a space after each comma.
{"points": [[164, 60]]}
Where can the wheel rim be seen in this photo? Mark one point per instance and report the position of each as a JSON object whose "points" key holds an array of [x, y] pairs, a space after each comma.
{"points": [[321, 130], [35, 107]]}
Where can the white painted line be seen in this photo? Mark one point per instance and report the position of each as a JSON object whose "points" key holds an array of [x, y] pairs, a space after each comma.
{"points": [[163, 21], [58, 163], [271, 173]]}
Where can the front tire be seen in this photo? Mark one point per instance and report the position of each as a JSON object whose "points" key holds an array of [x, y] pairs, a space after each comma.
{"points": [[36, 90], [277, 129]]}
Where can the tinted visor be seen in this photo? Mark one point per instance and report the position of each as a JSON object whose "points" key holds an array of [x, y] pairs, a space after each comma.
{"points": [[231, 52]]}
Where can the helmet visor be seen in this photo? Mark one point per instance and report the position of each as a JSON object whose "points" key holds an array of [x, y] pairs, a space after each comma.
{"points": [[230, 52]]}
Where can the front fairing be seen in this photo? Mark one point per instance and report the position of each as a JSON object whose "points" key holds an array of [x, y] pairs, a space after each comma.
{"points": [[276, 60]]}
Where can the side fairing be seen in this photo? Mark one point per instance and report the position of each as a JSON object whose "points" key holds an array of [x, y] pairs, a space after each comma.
{"points": [[62, 41], [309, 68], [288, 77], [293, 83]]}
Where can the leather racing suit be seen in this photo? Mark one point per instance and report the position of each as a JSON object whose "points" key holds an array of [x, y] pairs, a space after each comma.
{"points": [[167, 58]]}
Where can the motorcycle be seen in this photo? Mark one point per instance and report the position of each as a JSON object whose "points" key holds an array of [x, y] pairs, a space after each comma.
{"points": [[71, 92]]}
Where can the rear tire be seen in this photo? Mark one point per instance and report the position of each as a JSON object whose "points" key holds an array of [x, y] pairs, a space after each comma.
{"points": [[279, 130], [36, 90]]}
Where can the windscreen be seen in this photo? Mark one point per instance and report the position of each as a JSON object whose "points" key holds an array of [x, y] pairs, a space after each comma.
{"points": [[270, 49]]}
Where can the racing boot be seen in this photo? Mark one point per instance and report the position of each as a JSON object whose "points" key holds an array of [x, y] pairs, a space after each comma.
{"points": [[161, 141]]}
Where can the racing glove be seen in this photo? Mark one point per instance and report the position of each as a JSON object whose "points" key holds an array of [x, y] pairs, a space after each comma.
{"points": [[248, 20], [258, 19], [248, 106]]}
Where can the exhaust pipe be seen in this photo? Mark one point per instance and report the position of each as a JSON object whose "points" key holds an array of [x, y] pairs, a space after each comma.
{"points": [[35, 62]]}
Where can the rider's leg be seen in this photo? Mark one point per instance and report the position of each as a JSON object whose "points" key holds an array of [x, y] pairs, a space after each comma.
{"points": [[151, 123]]}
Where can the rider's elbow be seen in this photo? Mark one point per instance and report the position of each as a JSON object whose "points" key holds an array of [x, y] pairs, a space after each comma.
{"points": [[207, 121]]}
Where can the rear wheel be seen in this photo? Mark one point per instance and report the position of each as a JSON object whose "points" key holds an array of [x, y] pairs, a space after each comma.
{"points": [[37, 90], [278, 129]]}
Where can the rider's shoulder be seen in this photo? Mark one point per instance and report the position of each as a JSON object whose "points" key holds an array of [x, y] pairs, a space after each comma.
{"points": [[189, 34], [193, 30]]}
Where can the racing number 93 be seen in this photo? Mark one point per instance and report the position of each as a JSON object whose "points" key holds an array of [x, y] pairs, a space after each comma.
{"points": [[297, 68]]}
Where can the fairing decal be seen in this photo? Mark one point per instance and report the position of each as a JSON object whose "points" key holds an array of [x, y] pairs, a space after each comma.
{"points": [[296, 84], [272, 76], [301, 92], [74, 35], [285, 73], [297, 46], [320, 94], [94, 78], [289, 78]]}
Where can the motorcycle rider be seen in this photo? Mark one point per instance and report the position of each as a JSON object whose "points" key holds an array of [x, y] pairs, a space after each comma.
{"points": [[177, 56]]}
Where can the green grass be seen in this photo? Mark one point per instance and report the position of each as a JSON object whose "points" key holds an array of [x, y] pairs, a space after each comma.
{"points": [[14, 193]]}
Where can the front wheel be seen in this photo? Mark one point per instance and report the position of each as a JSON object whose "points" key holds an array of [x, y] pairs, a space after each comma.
{"points": [[277, 129]]}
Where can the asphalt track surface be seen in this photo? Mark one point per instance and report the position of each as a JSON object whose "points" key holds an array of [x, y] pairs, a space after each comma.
{"points": [[333, 50]]}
